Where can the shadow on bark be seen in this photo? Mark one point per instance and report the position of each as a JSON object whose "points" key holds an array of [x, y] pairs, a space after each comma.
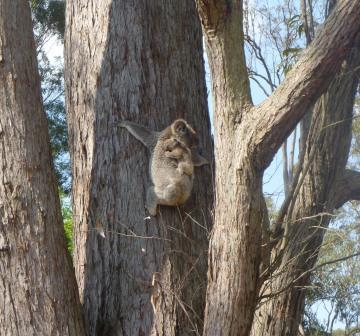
{"points": [[151, 73]]}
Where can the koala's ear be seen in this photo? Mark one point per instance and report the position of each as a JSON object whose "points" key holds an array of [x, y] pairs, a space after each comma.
{"points": [[180, 126], [197, 159]]}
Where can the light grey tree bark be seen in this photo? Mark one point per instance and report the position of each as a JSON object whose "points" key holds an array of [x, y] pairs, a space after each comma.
{"points": [[247, 139], [140, 61], [322, 185], [37, 283]]}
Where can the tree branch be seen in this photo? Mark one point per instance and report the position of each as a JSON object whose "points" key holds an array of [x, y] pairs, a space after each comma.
{"points": [[309, 78], [348, 188], [222, 23]]}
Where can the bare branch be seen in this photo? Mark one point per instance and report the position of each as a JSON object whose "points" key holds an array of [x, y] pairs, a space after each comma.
{"points": [[258, 54], [253, 76], [285, 168], [307, 272], [348, 188], [292, 151], [308, 79], [222, 23]]}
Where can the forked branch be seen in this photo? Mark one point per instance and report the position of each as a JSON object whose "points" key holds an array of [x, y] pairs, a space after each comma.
{"points": [[308, 79]]}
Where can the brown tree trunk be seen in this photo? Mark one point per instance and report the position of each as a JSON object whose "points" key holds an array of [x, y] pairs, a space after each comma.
{"points": [[37, 283], [327, 149], [139, 61], [247, 139]]}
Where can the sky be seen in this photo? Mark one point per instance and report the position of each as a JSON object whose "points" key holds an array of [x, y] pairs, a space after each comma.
{"points": [[273, 181]]}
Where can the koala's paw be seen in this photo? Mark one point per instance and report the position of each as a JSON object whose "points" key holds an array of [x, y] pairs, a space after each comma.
{"points": [[151, 201], [152, 211]]}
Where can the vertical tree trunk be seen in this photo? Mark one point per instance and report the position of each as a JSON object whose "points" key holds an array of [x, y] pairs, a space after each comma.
{"points": [[327, 149], [37, 284], [247, 139], [140, 61]]}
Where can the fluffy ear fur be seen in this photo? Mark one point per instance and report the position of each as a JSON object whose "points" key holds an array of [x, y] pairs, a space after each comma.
{"points": [[179, 126]]}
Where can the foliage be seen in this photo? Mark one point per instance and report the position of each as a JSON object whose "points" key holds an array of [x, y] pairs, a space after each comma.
{"points": [[53, 96], [68, 222], [337, 285], [48, 22], [274, 41], [48, 18]]}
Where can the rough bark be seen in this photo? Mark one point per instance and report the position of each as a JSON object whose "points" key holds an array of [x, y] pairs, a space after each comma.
{"points": [[321, 191], [246, 140], [140, 61], [37, 284]]}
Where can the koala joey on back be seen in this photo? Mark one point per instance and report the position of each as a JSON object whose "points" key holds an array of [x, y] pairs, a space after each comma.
{"points": [[176, 150], [174, 153]]}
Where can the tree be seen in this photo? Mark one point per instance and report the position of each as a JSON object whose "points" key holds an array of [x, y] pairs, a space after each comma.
{"points": [[143, 62], [39, 293], [128, 68], [283, 35], [236, 259], [316, 194]]}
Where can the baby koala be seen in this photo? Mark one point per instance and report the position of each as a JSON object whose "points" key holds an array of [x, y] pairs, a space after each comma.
{"points": [[177, 150], [174, 153]]}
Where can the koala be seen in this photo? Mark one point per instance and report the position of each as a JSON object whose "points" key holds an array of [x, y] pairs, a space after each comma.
{"points": [[174, 153], [176, 150]]}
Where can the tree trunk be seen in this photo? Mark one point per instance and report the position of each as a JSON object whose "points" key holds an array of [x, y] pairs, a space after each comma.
{"points": [[247, 139], [138, 61], [37, 283], [306, 221]]}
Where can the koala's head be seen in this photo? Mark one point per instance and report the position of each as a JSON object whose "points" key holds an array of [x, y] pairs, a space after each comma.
{"points": [[184, 133]]}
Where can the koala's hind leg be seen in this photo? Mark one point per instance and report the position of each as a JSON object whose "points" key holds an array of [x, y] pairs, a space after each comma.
{"points": [[170, 195], [151, 201]]}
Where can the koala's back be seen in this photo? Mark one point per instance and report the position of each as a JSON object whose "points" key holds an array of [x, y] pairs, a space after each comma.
{"points": [[163, 171]]}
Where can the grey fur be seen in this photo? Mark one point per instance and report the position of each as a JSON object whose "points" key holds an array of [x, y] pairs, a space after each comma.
{"points": [[174, 154]]}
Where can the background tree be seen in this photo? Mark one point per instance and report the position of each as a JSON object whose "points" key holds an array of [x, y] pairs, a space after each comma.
{"points": [[143, 62], [311, 204], [39, 294], [164, 259], [240, 211], [279, 31]]}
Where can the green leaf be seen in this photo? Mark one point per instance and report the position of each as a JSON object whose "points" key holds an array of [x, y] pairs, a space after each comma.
{"points": [[290, 51]]}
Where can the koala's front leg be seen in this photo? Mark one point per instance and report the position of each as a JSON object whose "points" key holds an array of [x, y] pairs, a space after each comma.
{"points": [[151, 201], [185, 168], [174, 154], [147, 137]]}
